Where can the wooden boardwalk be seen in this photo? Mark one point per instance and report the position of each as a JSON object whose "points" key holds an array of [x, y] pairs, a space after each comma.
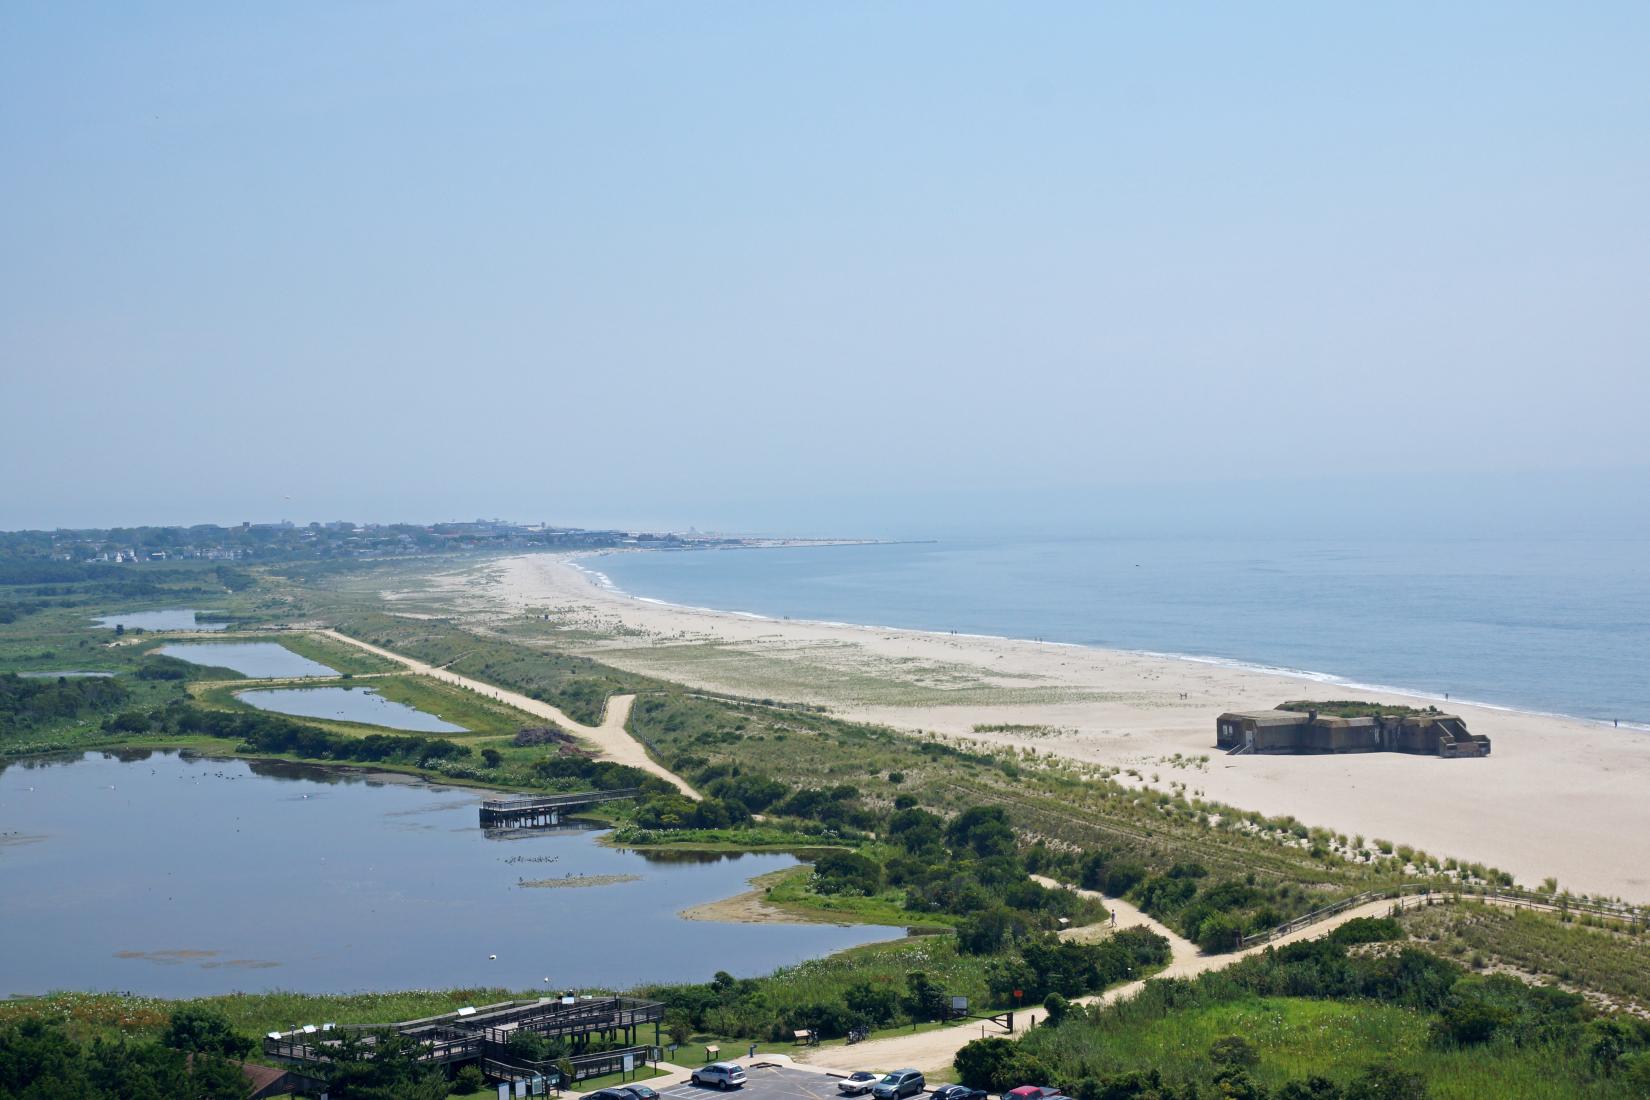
{"points": [[538, 811], [471, 1034]]}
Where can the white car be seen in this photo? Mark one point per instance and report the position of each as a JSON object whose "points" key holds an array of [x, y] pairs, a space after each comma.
{"points": [[724, 1075]]}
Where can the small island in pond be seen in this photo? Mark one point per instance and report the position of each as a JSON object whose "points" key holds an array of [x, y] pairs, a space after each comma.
{"points": [[1347, 726]]}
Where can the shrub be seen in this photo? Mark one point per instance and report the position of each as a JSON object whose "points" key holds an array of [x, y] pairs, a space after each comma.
{"points": [[1233, 1050], [1368, 930]]}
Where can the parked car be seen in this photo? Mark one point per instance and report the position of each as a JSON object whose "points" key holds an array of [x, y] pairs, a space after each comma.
{"points": [[610, 1094], [723, 1075], [856, 1084], [1031, 1092], [956, 1092], [640, 1092], [899, 1084]]}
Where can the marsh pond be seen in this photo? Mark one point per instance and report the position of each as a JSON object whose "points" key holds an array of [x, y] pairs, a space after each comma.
{"points": [[180, 876]]}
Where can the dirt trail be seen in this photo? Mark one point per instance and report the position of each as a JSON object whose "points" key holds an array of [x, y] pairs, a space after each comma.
{"points": [[1127, 916], [611, 739], [933, 1051]]}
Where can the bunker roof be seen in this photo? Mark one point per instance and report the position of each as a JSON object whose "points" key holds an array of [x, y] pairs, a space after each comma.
{"points": [[1269, 717]]}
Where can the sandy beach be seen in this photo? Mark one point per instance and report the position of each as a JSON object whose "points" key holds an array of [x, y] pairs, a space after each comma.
{"points": [[1559, 797]]}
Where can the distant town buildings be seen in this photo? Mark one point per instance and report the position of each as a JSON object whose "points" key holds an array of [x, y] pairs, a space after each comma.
{"points": [[285, 541]]}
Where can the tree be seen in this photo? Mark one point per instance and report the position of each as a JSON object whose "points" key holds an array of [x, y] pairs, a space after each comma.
{"points": [[386, 1068], [981, 830], [492, 757], [869, 1004], [32, 1051], [679, 1026], [995, 1064], [1055, 1007], [196, 1029], [989, 931], [1123, 877], [924, 1000], [847, 873]]}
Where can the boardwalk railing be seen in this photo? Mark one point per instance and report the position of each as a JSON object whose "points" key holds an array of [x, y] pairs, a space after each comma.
{"points": [[1417, 891], [547, 809], [549, 801], [585, 1066], [469, 1033]]}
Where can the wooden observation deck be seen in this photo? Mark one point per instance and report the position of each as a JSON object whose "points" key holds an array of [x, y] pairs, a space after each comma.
{"points": [[540, 811], [474, 1033]]}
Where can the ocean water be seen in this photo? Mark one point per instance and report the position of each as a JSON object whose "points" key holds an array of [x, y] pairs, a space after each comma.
{"points": [[1559, 626]]}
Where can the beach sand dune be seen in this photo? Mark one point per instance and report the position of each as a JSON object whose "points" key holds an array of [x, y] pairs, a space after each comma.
{"points": [[1559, 797]]}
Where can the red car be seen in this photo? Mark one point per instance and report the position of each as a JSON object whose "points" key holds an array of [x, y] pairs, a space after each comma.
{"points": [[1031, 1092]]}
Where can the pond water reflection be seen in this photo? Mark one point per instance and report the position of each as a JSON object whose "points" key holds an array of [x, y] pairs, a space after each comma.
{"points": [[180, 876], [258, 660], [347, 705], [175, 618]]}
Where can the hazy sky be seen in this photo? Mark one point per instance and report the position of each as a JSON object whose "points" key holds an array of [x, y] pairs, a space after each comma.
{"points": [[739, 264]]}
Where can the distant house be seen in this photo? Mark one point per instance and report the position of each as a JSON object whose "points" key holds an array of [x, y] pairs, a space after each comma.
{"points": [[265, 1081], [1291, 730], [268, 1081]]}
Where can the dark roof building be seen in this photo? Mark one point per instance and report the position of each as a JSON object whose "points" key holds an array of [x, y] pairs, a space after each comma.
{"points": [[1427, 733]]}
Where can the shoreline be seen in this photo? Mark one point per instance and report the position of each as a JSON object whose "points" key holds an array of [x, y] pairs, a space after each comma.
{"points": [[605, 583], [1559, 796]]}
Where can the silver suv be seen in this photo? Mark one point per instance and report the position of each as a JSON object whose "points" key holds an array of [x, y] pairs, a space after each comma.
{"points": [[899, 1084], [724, 1075]]}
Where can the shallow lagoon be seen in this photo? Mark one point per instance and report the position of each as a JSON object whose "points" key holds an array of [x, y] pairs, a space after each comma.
{"points": [[177, 618], [346, 705], [177, 876], [259, 660]]}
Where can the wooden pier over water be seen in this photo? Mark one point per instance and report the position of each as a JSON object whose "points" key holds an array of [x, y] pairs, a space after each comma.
{"points": [[541, 811]]}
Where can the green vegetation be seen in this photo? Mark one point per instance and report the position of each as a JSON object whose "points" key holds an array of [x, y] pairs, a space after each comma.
{"points": [[39, 1060], [1354, 708], [1321, 1019], [1609, 959], [903, 830], [28, 704], [896, 985]]}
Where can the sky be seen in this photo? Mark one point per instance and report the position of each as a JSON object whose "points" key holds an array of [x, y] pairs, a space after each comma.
{"points": [[821, 268]]}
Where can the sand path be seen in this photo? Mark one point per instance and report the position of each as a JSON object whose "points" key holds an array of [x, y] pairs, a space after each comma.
{"points": [[933, 1051], [611, 739], [1125, 915]]}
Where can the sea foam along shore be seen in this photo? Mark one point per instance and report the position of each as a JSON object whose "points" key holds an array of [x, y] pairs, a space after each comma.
{"points": [[1559, 796]]}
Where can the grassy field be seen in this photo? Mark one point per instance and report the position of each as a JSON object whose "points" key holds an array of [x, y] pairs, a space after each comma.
{"points": [[1612, 964], [1297, 1037], [88, 1015]]}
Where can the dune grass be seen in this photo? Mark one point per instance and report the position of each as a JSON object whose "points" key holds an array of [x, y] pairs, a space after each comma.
{"points": [[1297, 1037]]}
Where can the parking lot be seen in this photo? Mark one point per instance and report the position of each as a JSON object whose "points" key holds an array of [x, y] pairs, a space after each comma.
{"points": [[766, 1083]]}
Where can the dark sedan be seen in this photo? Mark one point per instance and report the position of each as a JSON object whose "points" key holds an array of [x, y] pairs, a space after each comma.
{"points": [[957, 1092]]}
